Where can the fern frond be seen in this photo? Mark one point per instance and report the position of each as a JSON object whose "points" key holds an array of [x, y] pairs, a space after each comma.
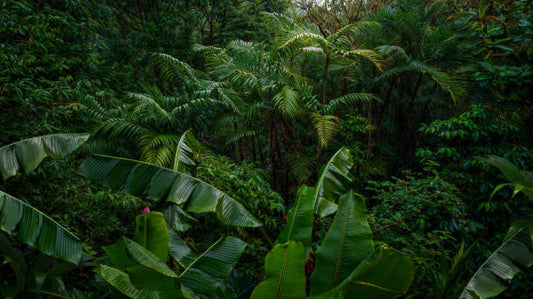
{"points": [[287, 102], [350, 100], [325, 127], [368, 54]]}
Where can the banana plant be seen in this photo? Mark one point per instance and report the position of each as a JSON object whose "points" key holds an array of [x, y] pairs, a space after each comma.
{"points": [[21, 220], [34, 277], [140, 266], [520, 180], [176, 189], [516, 252], [496, 273], [347, 262]]}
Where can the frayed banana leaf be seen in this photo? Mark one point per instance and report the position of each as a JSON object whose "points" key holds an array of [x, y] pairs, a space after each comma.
{"points": [[495, 275], [157, 183], [36, 229], [25, 155], [210, 269]]}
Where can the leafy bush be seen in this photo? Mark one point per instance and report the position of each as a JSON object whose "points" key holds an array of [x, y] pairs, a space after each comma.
{"points": [[423, 217]]}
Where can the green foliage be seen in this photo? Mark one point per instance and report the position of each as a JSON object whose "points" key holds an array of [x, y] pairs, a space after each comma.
{"points": [[167, 187], [493, 277], [423, 217], [27, 154], [246, 184], [142, 271], [347, 262]]}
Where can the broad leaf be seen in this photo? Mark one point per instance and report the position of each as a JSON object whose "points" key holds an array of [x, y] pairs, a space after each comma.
{"points": [[207, 272], [138, 178], [178, 250], [521, 180], [177, 218], [36, 229], [333, 182], [385, 274], [300, 219], [121, 281], [284, 273], [151, 233], [146, 258], [25, 155], [347, 243], [494, 276]]}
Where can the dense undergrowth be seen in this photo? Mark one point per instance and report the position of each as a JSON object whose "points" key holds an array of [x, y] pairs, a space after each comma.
{"points": [[221, 114]]}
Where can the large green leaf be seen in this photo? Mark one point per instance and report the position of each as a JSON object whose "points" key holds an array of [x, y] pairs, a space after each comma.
{"points": [[121, 281], [146, 258], [36, 229], [284, 273], [151, 232], [333, 182], [521, 180], [25, 155], [494, 276], [138, 178], [386, 273], [178, 250], [207, 272], [177, 218], [300, 219], [347, 243]]}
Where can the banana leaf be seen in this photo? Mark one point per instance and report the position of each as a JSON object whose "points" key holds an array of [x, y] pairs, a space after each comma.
{"points": [[179, 251], [121, 281], [151, 233], [284, 273], [347, 243], [386, 273], [25, 155], [333, 182], [300, 219], [521, 180], [207, 272], [177, 218], [36, 229], [138, 178], [496, 273]]}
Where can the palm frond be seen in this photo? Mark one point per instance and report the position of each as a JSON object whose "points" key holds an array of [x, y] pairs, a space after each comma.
{"points": [[325, 127], [350, 100]]}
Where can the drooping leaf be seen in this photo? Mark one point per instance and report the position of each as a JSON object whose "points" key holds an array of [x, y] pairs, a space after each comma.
{"points": [[299, 226], [36, 229], [178, 250], [121, 281], [333, 182], [25, 155], [177, 218], [494, 276], [347, 243], [211, 268], [194, 195], [284, 273], [386, 273], [521, 180]]}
